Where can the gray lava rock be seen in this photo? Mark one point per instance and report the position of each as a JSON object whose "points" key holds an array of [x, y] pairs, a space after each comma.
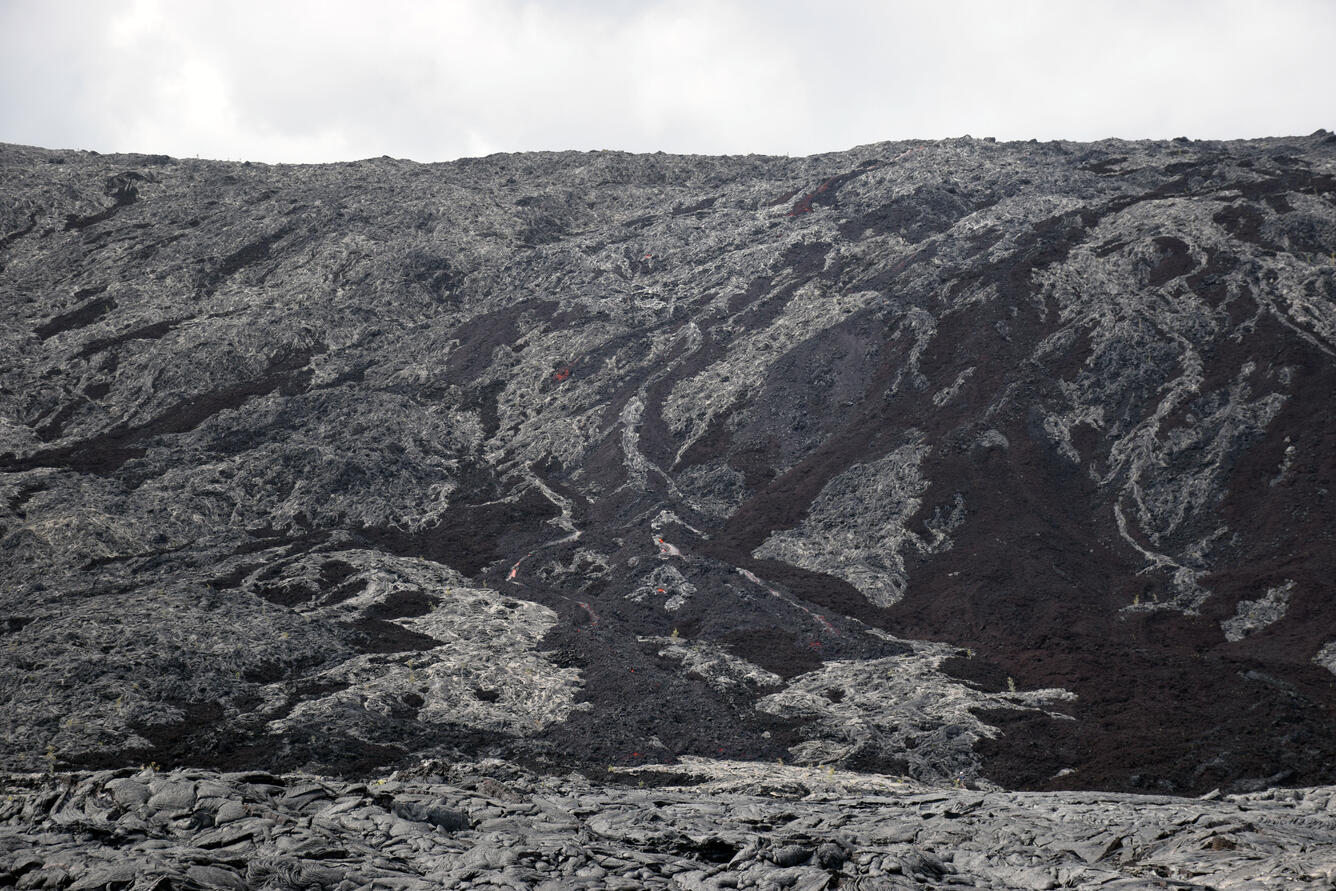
{"points": [[128, 791], [215, 877], [229, 811], [172, 797], [830, 856], [790, 855], [438, 815], [118, 875]]}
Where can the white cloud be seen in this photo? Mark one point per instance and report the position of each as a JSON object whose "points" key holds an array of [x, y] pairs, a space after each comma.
{"points": [[313, 81]]}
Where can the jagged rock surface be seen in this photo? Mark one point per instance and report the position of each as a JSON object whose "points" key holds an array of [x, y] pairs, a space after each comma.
{"points": [[490, 826], [1003, 464]]}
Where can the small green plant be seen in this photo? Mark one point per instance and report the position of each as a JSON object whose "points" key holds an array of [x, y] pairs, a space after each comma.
{"points": [[1011, 684], [674, 634]]}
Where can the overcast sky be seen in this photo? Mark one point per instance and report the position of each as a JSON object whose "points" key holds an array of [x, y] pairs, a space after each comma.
{"points": [[285, 80]]}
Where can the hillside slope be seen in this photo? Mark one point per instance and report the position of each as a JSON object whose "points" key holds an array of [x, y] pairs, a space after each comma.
{"points": [[999, 463]]}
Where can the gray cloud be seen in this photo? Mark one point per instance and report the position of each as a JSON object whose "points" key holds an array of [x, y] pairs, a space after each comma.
{"points": [[334, 80]]}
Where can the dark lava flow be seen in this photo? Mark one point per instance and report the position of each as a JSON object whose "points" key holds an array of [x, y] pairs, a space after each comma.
{"points": [[1000, 463]]}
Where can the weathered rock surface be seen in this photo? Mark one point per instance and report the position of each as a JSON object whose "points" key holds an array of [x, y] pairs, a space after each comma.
{"points": [[1001, 464], [745, 826]]}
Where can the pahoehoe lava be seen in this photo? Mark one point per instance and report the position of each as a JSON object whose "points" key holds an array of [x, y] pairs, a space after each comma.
{"points": [[1001, 465]]}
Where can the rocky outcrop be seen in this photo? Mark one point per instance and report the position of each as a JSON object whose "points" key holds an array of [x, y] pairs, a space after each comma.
{"points": [[1002, 464]]}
